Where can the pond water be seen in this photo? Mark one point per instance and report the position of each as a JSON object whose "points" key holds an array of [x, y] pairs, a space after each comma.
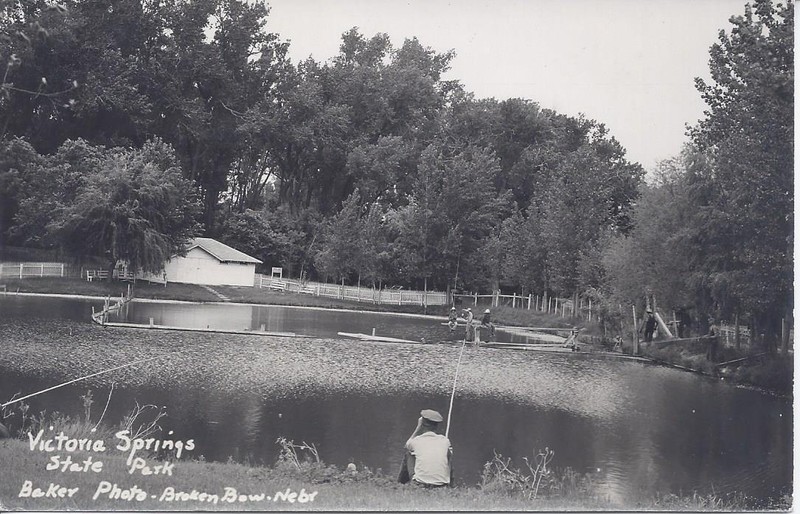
{"points": [[638, 428], [299, 320]]}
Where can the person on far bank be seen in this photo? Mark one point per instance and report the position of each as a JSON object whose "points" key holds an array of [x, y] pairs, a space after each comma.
{"points": [[649, 325], [713, 340], [428, 454]]}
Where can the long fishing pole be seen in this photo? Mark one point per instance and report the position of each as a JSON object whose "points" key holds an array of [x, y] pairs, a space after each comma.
{"points": [[455, 381], [75, 380]]}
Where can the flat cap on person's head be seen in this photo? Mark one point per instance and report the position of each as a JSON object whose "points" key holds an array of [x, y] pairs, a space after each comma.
{"points": [[431, 415]]}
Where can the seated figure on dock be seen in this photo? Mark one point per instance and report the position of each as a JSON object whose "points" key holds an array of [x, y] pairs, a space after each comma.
{"points": [[486, 322], [572, 340]]}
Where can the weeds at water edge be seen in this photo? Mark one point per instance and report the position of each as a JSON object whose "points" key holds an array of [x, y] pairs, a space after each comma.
{"points": [[537, 478], [303, 461]]}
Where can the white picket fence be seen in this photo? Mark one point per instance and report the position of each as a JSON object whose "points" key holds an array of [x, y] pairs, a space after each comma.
{"points": [[32, 269], [355, 293], [563, 307], [728, 335]]}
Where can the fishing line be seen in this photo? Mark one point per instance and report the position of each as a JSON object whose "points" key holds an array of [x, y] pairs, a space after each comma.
{"points": [[455, 381], [75, 380]]}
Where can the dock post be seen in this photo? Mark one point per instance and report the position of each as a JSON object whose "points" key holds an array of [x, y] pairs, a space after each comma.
{"points": [[151, 322], [373, 331], [784, 337]]}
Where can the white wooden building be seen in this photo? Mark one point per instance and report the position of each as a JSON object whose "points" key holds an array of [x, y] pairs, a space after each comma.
{"points": [[209, 262]]}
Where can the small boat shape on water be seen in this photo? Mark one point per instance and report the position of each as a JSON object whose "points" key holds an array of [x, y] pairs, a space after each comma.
{"points": [[382, 339]]}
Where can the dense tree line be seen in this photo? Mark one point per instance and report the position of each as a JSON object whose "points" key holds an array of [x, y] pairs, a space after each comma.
{"points": [[714, 233], [372, 168]]}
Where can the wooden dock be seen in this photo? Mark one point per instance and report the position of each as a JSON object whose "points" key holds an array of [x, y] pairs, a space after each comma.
{"points": [[380, 339], [550, 348], [533, 333]]}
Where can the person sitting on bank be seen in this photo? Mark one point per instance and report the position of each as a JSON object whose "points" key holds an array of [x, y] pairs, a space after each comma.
{"points": [[486, 322], [428, 454], [452, 319]]}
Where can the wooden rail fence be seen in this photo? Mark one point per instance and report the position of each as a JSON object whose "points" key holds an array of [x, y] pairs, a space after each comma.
{"points": [[563, 307], [355, 293]]}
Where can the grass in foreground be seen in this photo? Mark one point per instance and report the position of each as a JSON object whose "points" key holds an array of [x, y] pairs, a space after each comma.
{"points": [[298, 481]]}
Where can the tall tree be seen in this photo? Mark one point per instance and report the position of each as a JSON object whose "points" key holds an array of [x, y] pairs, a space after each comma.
{"points": [[134, 207], [743, 232], [452, 209], [183, 71]]}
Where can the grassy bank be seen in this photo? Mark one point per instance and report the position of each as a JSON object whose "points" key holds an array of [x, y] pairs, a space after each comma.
{"points": [[254, 295], [293, 483], [332, 489], [196, 293], [772, 372]]}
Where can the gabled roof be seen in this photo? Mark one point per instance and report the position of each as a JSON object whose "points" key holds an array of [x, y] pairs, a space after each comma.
{"points": [[222, 252]]}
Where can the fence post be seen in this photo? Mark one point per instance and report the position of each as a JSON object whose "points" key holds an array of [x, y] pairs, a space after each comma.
{"points": [[41, 269], [784, 337], [590, 309], [476, 298], [62, 269], [20, 269]]}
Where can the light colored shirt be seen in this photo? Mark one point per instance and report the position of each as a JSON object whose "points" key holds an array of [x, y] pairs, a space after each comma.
{"points": [[431, 454]]}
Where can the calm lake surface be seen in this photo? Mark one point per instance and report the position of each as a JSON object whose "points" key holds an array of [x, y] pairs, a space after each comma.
{"points": [[638, 428]]}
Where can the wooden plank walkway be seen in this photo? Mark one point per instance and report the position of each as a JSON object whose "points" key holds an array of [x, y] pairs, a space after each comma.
{"points": [[382, 339]]}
